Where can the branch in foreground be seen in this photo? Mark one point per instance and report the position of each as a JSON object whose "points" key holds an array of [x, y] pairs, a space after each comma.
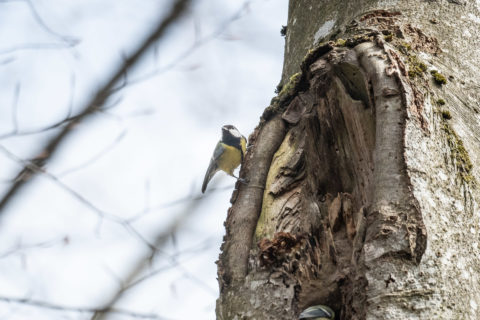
{"points": [[47, 305], [98, 100]]}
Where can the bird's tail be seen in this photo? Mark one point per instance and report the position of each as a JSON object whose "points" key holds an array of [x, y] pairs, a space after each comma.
{"points": [[212, 169]]}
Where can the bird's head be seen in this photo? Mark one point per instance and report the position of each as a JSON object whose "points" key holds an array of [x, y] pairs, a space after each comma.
{"points": [[229, 132], [318, 312]]}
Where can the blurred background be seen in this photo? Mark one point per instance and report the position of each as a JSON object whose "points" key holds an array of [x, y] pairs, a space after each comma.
{"points": [[115, 227]]}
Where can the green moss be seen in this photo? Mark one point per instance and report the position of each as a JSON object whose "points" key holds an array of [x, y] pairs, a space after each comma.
{"points": [[415, 71], [412, 73], [388, 37], [287, 91], [440, 102], [415, 66], [318, 48], [340, 42], [361, 37], [439, 78], [459, 154], [404, 47], [314, 53], [289, 88], [278, 88], [357, 39], [446, 115]]}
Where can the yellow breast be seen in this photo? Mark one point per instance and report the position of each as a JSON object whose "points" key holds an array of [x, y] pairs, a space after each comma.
{"points": [[230, 159]]}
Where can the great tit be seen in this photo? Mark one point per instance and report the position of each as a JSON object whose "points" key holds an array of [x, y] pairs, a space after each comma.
{"points": [[228, 154], [318, 312]]}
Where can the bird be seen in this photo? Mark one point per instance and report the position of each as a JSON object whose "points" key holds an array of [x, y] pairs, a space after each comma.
{"points": [[318, 312], [228, 154]]}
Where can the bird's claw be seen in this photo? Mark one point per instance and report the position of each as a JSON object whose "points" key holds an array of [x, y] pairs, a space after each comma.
{"points": [[244, 181]]}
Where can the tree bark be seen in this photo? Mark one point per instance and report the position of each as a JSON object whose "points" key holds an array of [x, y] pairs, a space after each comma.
{"points": [[369, 150]]}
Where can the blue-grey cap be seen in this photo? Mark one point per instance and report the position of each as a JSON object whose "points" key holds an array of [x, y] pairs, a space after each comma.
{"points": [[317, 312]]}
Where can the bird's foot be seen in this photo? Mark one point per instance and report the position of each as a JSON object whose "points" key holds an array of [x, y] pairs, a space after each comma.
{"points": [[244, 181]]}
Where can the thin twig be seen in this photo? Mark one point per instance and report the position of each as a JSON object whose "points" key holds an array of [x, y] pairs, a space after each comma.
{"points": [[51, 306], [17, 133], [173, 262], [58, 124], [37, 46], [7, 61], [68, 40], [19, 248], [199, 42], [16, 95], [72, 95], [71, 41]]}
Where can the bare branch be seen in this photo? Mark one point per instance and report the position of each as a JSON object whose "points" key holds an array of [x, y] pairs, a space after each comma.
{"points": [[7, 60], [64, 122], [72, 95], [97, 102], [51, 306], [67, 40], [15, 107], [199, 42], [19, 248], [37, 46], [173, 262], [70, 41], [58, 124]]}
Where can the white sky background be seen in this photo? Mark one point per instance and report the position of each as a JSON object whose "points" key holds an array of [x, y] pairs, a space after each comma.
{"points": [[154, 148]]}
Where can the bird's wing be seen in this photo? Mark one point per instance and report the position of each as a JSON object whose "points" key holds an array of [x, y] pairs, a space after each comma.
{"points": [[213, 167]]}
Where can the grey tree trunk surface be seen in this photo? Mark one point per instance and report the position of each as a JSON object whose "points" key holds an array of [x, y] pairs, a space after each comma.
{"points": [[363, 172]]}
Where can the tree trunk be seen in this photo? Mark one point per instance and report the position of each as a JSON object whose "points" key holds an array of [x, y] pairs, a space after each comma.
{"points": [[363, 172]]}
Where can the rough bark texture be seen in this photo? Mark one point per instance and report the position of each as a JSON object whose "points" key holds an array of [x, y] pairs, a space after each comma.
{"points": [[370, 147]]}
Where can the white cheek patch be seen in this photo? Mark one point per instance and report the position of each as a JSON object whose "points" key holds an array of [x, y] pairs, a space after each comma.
{"points": [[235, 133]]}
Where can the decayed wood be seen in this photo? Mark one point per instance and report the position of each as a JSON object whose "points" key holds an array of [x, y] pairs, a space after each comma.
{"points": [[321, 187]]}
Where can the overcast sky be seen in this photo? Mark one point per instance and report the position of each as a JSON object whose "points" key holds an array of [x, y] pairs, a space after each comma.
{"points": [[219, 65]]}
